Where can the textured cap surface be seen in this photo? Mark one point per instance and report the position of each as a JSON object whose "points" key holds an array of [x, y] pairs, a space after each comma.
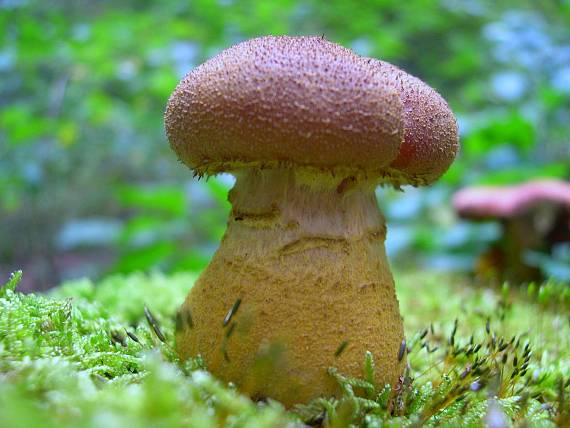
{"points": [[487, 202], [430, 129], [307, 101]]}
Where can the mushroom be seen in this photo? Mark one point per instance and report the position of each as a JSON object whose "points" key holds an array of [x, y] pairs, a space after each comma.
{"points": [[535, 216], [300, 281]]}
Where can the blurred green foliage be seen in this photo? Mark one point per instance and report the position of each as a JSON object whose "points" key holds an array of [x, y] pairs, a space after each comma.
{"points": [[85, 168]]}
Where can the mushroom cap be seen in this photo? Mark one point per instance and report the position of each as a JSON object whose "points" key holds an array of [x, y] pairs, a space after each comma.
{"points": [[430, 129], [304, 101], [488, 202]]}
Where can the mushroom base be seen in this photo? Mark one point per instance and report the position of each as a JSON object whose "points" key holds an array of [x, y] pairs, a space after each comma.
{"points": [[304, 257]]}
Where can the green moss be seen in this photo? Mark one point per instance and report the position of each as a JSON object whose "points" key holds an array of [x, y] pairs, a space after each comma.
{"points": [[475, 354]]}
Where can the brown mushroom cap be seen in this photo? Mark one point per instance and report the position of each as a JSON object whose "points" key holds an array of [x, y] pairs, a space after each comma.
{"points": [[430, 129], [309, 102], [490, 202]]}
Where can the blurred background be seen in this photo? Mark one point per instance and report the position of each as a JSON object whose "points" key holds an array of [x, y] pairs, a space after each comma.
{"points": [[90, 187]]}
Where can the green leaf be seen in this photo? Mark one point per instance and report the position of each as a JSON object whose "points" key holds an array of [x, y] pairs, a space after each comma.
{"points": [[23, 125], [524, 173], [513, 129], [191, 261], [144, 258], [158, 198]]}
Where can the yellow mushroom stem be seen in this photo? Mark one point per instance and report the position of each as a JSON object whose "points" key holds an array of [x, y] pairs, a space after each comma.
{"points": [[299, 284]]}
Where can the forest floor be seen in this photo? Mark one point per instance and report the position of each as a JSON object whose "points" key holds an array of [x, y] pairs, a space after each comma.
{"points": [[84, 356]]}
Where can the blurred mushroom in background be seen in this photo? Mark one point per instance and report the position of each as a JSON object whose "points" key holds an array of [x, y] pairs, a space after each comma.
{"points": [[535, 218]]}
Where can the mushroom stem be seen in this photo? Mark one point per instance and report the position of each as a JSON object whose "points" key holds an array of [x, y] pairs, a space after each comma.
{"points": [[304, 253]]}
